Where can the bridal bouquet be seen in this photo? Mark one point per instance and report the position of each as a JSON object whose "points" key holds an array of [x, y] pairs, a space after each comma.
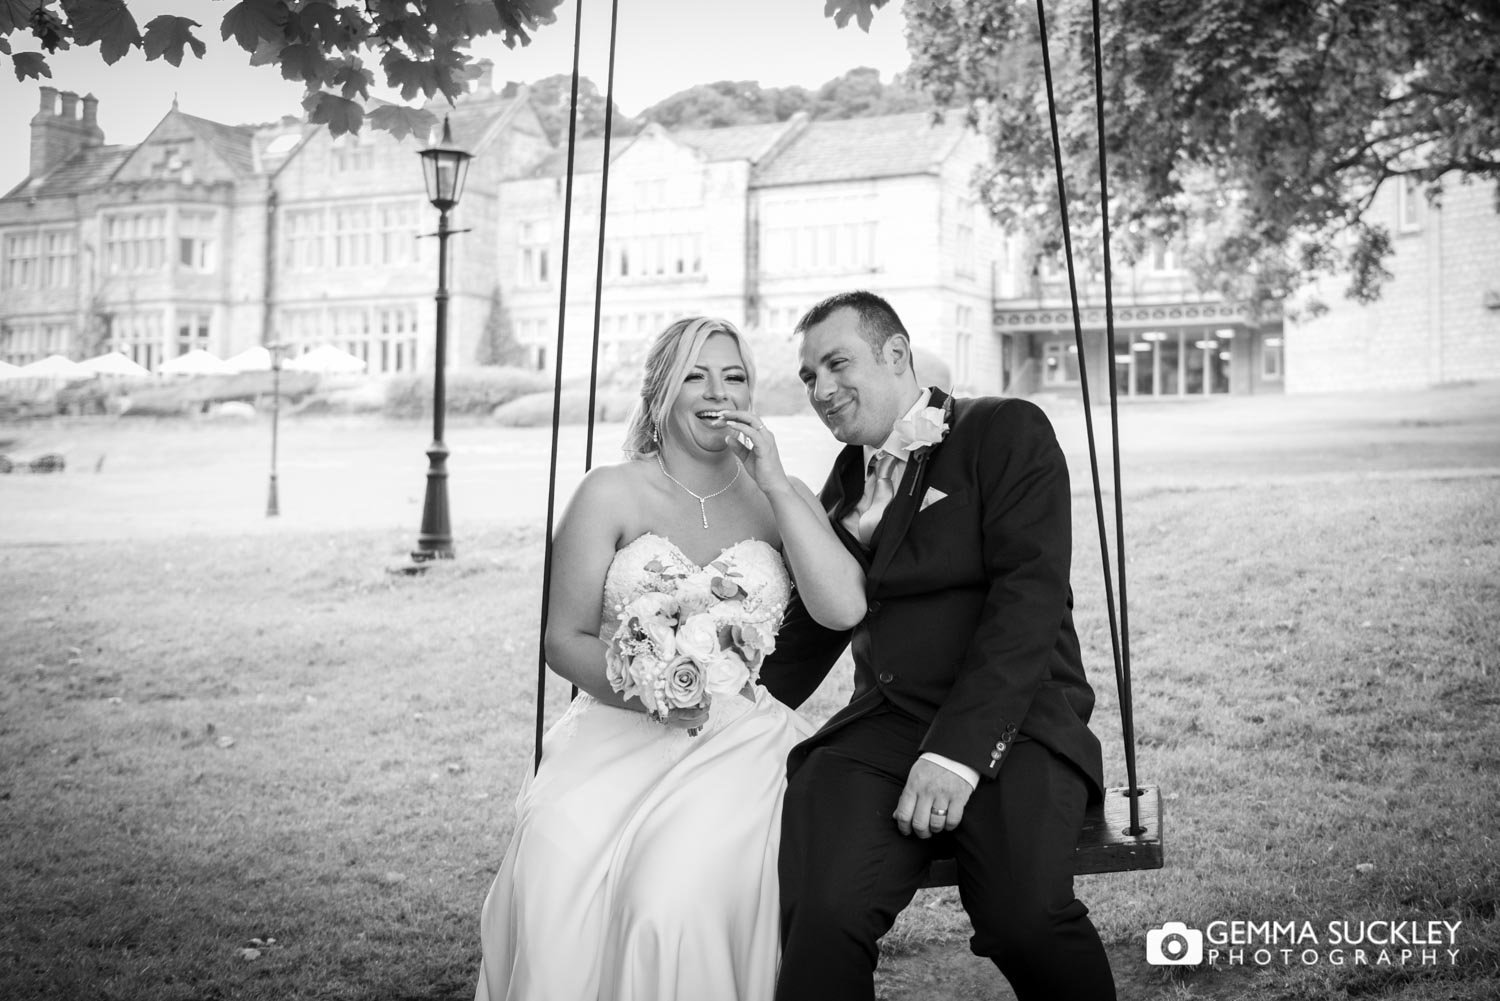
{"points": [[680, 649]]}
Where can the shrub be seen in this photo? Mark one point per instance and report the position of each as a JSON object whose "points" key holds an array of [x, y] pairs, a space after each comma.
{"points": [[195, 394], [468, 391], [535, 409]]}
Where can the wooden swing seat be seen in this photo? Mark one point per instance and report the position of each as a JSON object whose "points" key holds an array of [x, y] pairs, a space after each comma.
{"points": [[1103, 845]]}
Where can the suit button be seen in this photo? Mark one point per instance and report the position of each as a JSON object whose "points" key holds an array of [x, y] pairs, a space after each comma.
{"points": [[886, 677], [873, 607], [1000, 747]]}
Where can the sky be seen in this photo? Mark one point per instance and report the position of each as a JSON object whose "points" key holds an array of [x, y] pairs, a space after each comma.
{"points": [[664, 46]]}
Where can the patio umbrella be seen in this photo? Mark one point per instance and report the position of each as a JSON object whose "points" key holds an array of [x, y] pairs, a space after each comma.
{"points": [[256, 359], [195, 362], [53, 367], [326, 359], [113, 363]]}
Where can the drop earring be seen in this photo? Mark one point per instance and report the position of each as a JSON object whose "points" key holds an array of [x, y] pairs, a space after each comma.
{"points": [[656, 432]]}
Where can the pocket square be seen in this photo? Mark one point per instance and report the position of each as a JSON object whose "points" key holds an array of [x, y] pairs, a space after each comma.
{"points": [[931, 497]]}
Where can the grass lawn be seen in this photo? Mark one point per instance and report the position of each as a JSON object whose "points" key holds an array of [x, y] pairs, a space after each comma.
{"points": [[261, 740]]}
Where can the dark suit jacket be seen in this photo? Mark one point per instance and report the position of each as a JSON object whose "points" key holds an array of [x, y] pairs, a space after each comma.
{"points": [[970, 622]]}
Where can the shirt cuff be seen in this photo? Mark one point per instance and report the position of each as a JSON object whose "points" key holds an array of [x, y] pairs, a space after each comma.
{"points": [[958, 768]]}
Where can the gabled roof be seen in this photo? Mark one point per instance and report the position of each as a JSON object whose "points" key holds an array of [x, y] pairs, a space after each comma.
{"points": [[587, 157], [477, 120], [856, 148], [734, 142], [231, 142], [85, 170]]}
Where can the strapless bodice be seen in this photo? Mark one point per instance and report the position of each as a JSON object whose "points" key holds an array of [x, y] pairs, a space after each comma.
{"points": [[652, 562]]}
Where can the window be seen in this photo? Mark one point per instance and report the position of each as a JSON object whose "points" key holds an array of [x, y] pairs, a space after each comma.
{"points": [[195, 240], [135, 242], [39, 259], [304, 239], [353, 153], [662, 255], [24, 342], [353, 236], [398, 236], [1271, 360], [384, 337], [192, 331], [965, 252], [139, 337], [535, 243], [1060, 364], [21, 260], [1163, 258], [823, 234], [58, 254], [1409, 201], [963, 345]]}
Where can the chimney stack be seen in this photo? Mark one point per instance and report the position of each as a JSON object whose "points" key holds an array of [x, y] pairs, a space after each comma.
{"points": [[57, 134]]}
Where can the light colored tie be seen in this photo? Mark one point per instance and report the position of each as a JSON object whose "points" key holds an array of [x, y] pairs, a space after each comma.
{"points": [[878, 493]]}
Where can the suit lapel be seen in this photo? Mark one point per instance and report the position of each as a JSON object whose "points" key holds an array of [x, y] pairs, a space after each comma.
{"points": [[904, 505], [848, 482], [845, 486]]}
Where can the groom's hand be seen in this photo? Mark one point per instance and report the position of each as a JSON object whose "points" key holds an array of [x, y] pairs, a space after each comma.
{"points": [[931, 787]]}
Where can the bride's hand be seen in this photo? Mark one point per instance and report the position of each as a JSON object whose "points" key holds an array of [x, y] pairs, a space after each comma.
{"points": [[755, 446]]}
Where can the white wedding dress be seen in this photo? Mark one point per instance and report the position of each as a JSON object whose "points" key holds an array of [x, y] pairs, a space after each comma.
{"points": [[643, 864]]}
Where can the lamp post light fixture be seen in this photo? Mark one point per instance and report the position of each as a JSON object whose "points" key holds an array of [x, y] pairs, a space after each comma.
{"points": [[444, 167], [273, 506]]}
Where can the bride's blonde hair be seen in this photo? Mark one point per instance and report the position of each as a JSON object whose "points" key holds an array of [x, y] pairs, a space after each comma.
{"points": [[669, 359]]}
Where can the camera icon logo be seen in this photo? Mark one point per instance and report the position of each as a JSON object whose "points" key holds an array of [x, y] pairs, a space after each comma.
{"points": [[1174, 944]]}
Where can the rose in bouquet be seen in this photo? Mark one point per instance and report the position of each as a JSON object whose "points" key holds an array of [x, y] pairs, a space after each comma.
{"points": [[682, 649]]}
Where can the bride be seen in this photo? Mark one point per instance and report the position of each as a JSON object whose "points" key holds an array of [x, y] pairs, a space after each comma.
{"points": [[643, 864]]}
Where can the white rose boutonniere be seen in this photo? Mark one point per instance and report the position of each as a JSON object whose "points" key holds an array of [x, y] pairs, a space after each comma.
{"points": [[923, 429]]}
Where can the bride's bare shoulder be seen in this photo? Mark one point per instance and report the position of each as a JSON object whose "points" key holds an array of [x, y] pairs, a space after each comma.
{"points": [[616, 488]]}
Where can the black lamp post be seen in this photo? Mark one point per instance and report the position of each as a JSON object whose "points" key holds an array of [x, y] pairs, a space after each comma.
{"points": [[273, 506], [444, 166]]}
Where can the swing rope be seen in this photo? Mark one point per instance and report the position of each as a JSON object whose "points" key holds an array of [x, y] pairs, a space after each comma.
{"points": [[609, 121], [562, 304], [562, 310], [1118, 630]]}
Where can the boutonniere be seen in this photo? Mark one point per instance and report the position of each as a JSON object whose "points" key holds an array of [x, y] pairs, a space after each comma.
{"points": [[921, 432]]}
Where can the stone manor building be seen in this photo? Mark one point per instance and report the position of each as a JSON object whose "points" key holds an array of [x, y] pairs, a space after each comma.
{"points": [[221, 237]]}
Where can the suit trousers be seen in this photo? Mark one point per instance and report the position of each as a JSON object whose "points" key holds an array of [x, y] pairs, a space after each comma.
{"points": [[847, 870]]}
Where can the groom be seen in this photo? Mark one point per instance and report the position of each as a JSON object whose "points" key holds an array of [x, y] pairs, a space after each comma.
{"points": [[967, 733]]}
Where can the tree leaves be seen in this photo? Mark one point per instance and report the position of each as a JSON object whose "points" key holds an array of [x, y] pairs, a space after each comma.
{"points": [[31, 65], [341, 115], [862, 10], [108, 22], [303, 61], [16, 14], [519, 17], [401, 121], [249, 21], [1251, 133], [351, 77], [325, 44], [440, 74], [167, 36]]}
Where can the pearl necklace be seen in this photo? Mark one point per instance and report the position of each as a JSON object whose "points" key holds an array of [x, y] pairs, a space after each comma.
{"points": [[700, 498]]}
